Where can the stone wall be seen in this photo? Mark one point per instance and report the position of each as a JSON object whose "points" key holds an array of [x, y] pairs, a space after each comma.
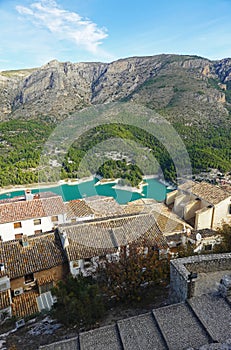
{"points": [[183, 272]]}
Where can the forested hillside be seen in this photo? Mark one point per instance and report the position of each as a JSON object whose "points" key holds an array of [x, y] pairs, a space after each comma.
{"points": [[191, 92]]}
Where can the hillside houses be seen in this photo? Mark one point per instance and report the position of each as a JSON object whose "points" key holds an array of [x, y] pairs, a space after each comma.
{"points": [[91, 243], [30, 268], [202, 205], [30, 214], [43, 239]]}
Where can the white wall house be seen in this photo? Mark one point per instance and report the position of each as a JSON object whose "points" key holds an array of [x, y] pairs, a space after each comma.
{"points": [[201, 204], [30, 215], [90, 244]]}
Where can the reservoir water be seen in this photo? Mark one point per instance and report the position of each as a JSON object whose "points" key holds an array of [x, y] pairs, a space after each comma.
{"points": [[154, 189]]}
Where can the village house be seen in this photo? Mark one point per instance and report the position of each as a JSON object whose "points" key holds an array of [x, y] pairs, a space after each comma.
{"points": [[30, 267], [202, 205], [30, 214], [92, 208], [89, 244]]}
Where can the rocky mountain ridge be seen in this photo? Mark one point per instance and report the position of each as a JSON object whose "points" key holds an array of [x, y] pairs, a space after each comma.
{"points": [[187, 88]]}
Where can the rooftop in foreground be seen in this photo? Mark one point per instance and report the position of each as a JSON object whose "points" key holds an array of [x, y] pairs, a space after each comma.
{"points": [[204, 321]]}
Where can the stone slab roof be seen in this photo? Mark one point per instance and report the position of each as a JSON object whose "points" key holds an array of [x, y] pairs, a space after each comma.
{"points": [[174, 327], [180, 328], [215, 314], [141, 332], [100, 339], [43, 252], [69, 344], [210, 193], [19, 209]]}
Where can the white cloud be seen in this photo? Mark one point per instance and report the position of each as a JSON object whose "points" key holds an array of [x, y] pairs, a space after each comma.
{"points": [[65, 25]]}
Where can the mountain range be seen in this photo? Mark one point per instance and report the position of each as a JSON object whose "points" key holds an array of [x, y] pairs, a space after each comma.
{"points": [[185, 89]]}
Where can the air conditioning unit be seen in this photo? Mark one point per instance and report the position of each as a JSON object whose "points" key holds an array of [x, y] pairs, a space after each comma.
{"points": [[18, 291]]}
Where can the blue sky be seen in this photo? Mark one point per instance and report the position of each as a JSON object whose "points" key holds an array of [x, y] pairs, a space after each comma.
{"points": [[35, 32]]}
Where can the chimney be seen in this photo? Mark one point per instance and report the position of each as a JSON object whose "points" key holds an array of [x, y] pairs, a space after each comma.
{"points": [[2, 267], [64, 239], [24, 241], [188, 232], [28, 195]]}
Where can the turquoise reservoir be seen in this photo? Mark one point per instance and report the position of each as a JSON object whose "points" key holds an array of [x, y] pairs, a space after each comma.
{"points": [[154, 189]]}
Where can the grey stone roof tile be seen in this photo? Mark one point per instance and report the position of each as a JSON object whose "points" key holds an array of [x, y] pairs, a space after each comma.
{"points": [[141, 332], [104, 338], [215, 313], [180, 327]]}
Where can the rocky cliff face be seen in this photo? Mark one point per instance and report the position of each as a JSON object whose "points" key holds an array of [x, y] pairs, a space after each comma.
{"points": [[183, 86]]}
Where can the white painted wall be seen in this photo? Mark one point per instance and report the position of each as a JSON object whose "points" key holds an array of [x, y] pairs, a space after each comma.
{"points": [[204, 218], [221, 213], [8, 232]]}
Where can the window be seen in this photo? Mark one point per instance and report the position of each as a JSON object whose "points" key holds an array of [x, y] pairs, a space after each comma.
{"points": [[37, 232], [54, 218], [29, 278], [18, 235], [17, 224], [208, 247], [37, 222], [73, 221], [229, 209]]}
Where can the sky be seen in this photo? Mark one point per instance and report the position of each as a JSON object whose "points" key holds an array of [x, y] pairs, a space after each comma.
{"points": [[34, 32]]}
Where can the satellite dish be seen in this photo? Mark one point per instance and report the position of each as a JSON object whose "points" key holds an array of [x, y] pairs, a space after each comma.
{"points": [[198, 237]]}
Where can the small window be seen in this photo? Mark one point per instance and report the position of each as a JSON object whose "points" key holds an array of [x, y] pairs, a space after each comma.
{"points": [[208, 247], [55, 218], [18, 235], [17, 224], [37, 222], [229, 209], [37, 232], [29, 278], [73, 221]]}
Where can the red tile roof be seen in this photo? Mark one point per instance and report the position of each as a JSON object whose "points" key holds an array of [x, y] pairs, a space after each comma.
{"points": [[43, 252], [20, 209]]}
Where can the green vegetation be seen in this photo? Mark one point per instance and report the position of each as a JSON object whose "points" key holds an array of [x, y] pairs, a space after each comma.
{"points": [[225, 246], [130, 174], [21, 143], [79, 302]]}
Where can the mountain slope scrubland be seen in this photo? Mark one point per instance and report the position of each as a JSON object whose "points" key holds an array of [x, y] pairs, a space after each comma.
{"points": [[191, 92]]}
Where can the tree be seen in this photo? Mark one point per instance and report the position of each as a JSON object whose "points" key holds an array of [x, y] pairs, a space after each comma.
{"points": [[125, 279], [225, 246], [79, 302]]}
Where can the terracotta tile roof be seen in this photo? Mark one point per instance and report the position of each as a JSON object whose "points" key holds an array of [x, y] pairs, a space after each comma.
{"points": [[20, 209], [210, 193], [103, 206], [25, 304], [77, 208], [44, 280], [43, 252], [104, 236], [167, 221], [4, 300]]}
